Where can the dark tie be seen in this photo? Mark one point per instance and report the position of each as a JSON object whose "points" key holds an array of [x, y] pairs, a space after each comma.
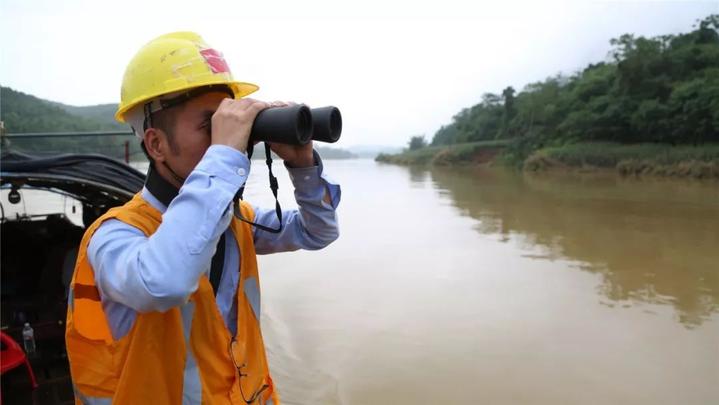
{"points": [[218, 260]]}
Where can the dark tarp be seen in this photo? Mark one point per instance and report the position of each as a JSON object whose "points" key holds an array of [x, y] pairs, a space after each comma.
{"points": [[96, 180]]}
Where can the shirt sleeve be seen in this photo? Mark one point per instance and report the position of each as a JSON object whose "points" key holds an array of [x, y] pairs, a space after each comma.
{"points": [[159, 272], [313, 225]]}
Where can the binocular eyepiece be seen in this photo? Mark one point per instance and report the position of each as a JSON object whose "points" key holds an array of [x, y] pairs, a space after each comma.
{"points": [[297, 125]]}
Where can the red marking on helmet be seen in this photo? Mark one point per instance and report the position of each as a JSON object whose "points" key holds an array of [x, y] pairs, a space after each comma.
{"points": [[215, 60]]}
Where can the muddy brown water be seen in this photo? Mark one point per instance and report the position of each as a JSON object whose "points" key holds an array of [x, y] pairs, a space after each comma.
{"points": [[488, 286]]}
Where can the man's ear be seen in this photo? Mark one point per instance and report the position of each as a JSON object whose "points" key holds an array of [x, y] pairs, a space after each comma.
{"points": [[156, 144]]}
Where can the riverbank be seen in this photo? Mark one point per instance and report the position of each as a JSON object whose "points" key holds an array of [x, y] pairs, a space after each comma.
{"points": [[630, 160], [636, 160], [459, 154]]}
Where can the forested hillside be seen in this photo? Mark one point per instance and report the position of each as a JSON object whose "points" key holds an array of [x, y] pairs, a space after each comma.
{"points": [[102, 113], [24, 113], [662, 89]]}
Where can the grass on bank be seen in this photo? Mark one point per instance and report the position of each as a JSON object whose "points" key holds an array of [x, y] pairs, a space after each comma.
{"points": [[474, 152], [637, 159]]}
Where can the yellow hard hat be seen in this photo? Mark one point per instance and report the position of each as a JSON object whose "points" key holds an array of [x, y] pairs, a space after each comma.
{"points": [[172, 63]]}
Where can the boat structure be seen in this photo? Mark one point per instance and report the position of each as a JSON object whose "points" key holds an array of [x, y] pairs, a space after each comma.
{"points": [[46, 202]]}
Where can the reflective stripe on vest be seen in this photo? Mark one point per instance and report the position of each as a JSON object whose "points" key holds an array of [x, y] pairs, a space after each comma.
{"points": [[252, 292], [87, 400], [191, 385]]}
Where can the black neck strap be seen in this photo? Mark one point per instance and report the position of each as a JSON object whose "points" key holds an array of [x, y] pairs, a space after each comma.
{"points": [[164, 191], [273, 186]]}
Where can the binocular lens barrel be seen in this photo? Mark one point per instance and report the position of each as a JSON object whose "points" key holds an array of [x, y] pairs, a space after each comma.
{"points": [[297, 125], [291, 125], [326, 124]]}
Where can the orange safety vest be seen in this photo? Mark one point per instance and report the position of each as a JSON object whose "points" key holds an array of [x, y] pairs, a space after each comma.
{"points": [[147, 366]]}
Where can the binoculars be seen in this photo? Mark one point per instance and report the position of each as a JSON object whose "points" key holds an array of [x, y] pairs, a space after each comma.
{"points": [[297, 125]]}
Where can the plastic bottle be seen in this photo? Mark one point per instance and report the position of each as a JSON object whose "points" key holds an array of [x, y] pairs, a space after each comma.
{"points": [[28, 339]]}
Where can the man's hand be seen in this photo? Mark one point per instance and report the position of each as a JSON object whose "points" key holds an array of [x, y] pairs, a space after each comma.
{"points": [[232, 122], [295, 156]]}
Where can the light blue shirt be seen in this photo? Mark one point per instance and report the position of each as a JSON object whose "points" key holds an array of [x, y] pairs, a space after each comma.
{"points": [[135, 273]]}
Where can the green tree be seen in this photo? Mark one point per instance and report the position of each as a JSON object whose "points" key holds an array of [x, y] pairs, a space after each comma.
{"points": [[417, 142]]}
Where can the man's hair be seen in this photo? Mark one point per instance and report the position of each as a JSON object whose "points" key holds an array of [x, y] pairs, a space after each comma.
{"points": [[166, 121]]}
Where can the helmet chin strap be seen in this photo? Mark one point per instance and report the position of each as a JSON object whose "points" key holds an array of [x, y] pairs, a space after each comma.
{"points": [[150, 108], [174, 175]]}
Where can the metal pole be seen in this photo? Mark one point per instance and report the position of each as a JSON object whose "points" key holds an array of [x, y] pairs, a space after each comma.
{"points": [[67, 134], [127, 152]]}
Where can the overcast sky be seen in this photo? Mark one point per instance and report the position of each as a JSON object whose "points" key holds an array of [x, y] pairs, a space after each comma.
{"points": [[395, 69]]}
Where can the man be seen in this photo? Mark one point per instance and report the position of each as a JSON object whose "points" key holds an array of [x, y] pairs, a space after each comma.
{"points": [[165, 299]]}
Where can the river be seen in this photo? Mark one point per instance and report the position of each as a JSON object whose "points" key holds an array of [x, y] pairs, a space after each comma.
{"points": [[488, 286]]}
